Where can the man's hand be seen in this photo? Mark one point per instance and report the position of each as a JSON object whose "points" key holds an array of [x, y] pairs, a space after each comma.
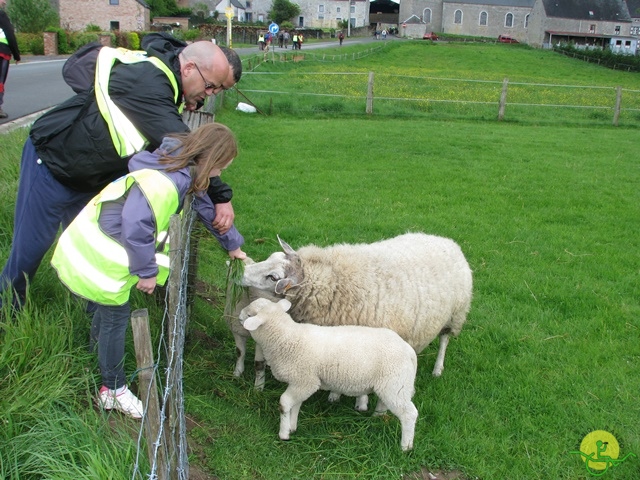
{"points": [[224, 217], [146, 285]]}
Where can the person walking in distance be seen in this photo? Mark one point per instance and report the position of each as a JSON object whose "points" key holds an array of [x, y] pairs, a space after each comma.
{"points": [[119, 241], [8, 48]]}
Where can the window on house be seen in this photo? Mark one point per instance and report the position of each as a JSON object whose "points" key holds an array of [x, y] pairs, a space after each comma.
{"points": [[627, 44], [592, 29], [337, 9], [248, 17], [635, 31], [483, 18], [457, 17], [353, 9], [508, 20], [248, 5], [320, 8], [617, 29], [301, 21], [114, 25], [114, 2], [426, 15], [526, 21]]}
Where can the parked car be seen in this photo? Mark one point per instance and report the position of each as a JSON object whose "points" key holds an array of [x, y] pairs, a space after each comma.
{"points": [[507, 39], [430, 36]]}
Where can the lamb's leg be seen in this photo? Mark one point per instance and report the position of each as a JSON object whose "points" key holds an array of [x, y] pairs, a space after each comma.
{"points": [[381, 408], [290, 403], [241, 350], [439, 366], [362, 403], [295, 410], [260, 366], [408, 417], [403, 408]]}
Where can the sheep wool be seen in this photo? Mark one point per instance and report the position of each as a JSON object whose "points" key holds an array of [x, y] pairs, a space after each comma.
{"points": [[350, 360], [418, 285]]}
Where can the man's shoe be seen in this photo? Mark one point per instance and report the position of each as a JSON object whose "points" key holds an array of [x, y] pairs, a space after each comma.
{"points": [[3, 114], [126, 402]]}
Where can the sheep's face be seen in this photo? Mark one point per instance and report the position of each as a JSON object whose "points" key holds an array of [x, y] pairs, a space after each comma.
{"points": [[264, 275], [253, 308], [250, 316], [278, 273]]}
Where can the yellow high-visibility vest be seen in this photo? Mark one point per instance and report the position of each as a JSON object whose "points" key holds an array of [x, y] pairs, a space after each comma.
{"points": [[93, 265], [126, 138]]}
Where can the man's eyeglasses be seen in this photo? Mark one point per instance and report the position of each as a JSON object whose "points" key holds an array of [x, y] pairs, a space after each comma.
{"points": [[208, 85]]}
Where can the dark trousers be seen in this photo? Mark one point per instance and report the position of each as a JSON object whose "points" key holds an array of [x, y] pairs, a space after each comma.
{"points": [[108, 331], [4, 71], [43, 204]]}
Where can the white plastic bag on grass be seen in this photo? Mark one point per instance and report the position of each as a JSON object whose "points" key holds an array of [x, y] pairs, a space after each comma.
{"points": [[245, 107]]}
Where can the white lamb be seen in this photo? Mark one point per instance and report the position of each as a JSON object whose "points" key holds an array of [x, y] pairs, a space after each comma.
{"points": [[418, 285], [351, 360]]}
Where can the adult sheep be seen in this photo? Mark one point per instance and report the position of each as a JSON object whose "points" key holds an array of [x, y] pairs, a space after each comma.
{"points": [[416, 284]]}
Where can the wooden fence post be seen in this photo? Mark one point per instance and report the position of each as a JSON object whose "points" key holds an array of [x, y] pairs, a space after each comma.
{"points": [[503, 99], [370, 94], [147, 389], [616, 110]]}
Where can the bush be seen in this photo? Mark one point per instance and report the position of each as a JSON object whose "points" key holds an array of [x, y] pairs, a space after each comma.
{"points": [[83, 38], [133, 40], [192, 34], [63, 40], [602, 57], [30, 43], [92, 28]]}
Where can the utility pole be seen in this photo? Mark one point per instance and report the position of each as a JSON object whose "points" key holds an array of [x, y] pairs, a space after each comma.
{"points": [[229, 14]]}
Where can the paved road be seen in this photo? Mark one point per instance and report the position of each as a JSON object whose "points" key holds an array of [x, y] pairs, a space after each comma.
{"points": [[36, 84]]}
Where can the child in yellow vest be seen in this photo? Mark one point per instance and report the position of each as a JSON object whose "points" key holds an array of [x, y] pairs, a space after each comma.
{"points": [[117, 241]]}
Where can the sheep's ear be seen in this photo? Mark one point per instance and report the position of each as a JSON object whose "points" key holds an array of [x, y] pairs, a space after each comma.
{"points": [[283, 285], [248, 261], [252, 323], [286, 248], [284, 304]]}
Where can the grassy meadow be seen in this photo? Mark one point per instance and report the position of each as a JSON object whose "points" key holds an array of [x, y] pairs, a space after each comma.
{"points": [[443, 81], [547, 216]]}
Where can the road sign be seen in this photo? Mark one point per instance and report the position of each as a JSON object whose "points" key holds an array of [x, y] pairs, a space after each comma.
{"points": [[274, 28], [228, 12]]}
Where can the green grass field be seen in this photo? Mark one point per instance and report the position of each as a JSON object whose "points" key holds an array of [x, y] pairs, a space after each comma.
{"points": [[547, 217]]}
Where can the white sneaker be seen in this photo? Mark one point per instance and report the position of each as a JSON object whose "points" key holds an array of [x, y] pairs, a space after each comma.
{"points": [[126, 402]]}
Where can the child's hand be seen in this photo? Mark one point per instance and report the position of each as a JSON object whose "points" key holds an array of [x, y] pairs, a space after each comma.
{"points": [[146, 285], [237, 253]]}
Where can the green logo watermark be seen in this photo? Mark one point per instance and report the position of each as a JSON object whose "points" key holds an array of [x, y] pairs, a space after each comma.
{"points": [[600, 450]]}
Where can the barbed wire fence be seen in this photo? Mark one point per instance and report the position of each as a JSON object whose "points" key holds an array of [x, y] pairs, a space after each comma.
{"points": [[163, 426]]}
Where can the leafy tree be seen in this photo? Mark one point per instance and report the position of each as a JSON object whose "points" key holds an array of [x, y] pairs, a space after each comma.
{"points": [[167, 8], [283, 10], [32, 16]]}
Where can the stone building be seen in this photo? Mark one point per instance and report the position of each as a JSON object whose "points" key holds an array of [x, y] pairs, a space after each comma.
{"points": [[124, 15], [535, 22]]}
